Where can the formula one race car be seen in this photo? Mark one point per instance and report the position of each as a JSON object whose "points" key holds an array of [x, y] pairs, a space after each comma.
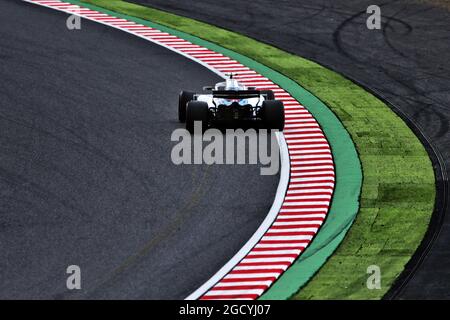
{"points": [[230, 103]]}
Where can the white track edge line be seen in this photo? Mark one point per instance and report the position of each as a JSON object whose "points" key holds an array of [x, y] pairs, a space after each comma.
{"points": [[282, 185], [81, 15], [268, 221]]}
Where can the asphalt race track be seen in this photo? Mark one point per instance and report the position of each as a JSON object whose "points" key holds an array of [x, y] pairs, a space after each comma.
{"points": [[406, 63], [85, 171]]}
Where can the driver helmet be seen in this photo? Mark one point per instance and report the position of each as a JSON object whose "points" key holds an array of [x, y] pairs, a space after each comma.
{"points": [[232, 84]]}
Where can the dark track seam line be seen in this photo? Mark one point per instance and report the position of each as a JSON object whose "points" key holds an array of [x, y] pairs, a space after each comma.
{"points": [[441, 200], [440, 172], [442, 190], [440, 208]]}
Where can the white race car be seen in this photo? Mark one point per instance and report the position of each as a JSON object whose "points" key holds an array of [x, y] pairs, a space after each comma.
{"points": [[230, 103]]}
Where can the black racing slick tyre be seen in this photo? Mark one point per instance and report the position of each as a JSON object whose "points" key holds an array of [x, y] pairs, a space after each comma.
{"points": [[183, 99], [268, 94], [197, 111], [273, 114]]}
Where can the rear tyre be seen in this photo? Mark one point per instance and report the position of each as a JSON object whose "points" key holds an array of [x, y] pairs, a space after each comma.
{"points": [[273, 114], [183, 99], [196, 111], [269, 94]]}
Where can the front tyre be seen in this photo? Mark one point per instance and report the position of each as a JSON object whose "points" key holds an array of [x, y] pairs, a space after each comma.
{"points": [[273, 114], [183, 99], [197, 111]]}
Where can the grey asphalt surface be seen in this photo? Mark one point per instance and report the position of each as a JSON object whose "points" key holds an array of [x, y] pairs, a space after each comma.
{"points": [[406, 62], [86, 176]]}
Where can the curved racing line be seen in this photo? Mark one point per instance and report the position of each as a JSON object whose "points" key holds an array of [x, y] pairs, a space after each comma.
{"points": [[307, 176]]}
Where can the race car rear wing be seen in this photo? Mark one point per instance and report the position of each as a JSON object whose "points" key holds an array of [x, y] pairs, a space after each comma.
{"points": [[239, 94]]}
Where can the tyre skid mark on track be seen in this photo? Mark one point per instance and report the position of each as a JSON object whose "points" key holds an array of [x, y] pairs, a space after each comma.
{"points": [[305, 200]]}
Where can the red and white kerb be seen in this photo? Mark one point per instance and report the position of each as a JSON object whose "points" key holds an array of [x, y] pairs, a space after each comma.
{"points": [[311, 177]]}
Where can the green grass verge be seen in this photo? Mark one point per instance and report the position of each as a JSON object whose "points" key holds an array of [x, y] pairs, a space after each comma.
{"points": [[398, 189]]}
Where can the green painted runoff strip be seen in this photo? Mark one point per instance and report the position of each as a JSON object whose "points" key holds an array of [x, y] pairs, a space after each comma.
{"points": [[398, 190], [348, 170]]}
